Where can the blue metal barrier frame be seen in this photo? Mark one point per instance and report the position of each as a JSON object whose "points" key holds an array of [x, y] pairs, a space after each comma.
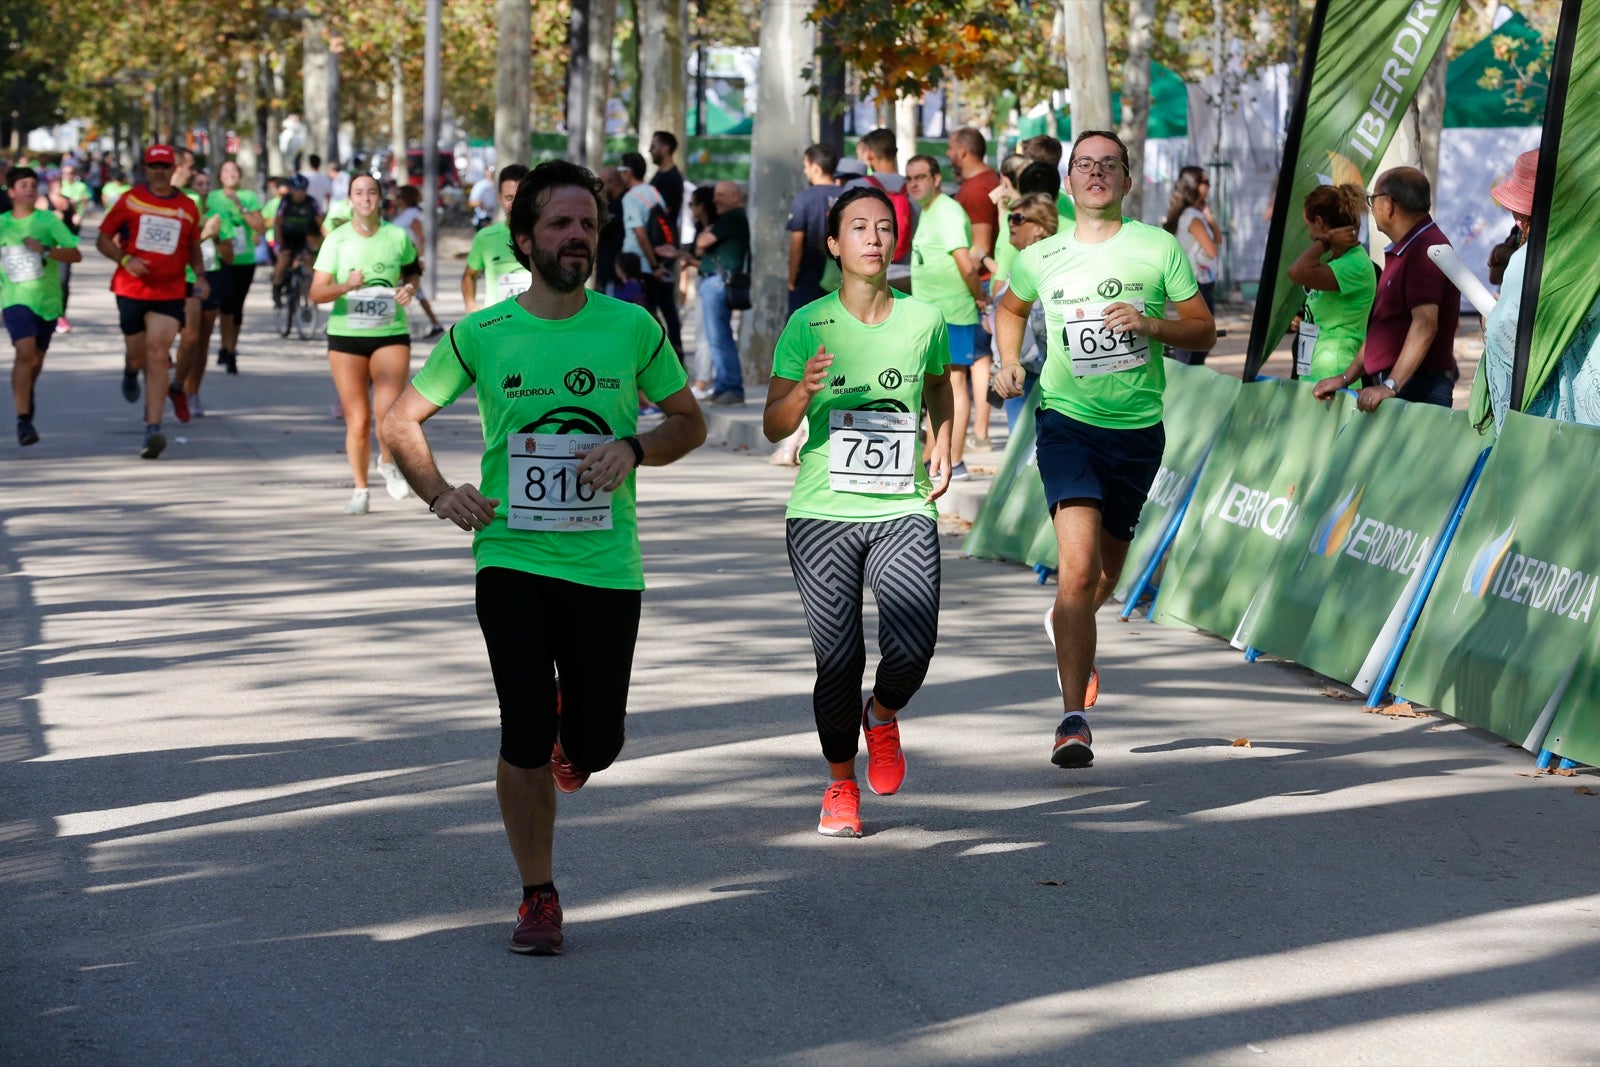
{"points": [[1158, 554], [1391, 663]]}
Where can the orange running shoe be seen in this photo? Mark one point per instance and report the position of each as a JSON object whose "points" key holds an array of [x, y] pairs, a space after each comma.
{"points": [[1091, 692], [568, 778], [538, 929], [841, 810], [886, 760]]}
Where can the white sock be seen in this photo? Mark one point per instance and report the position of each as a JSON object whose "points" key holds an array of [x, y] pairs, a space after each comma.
{"points": [[872, 715]]}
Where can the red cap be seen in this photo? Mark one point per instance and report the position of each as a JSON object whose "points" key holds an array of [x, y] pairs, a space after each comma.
{"points": [[160, 153]]}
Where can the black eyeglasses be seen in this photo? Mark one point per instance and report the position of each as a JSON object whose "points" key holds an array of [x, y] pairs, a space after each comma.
{"points": [[1110, 164], [1373, 196]]}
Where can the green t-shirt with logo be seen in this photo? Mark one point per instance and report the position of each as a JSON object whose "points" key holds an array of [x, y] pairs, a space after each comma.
{"points": [[1139, 265], [1341, 317], [935, 278], [219, 203], [580, 374], [336, 216], [379, 259], [492, 257], [269, 212], [42, 295], [875, 368]]}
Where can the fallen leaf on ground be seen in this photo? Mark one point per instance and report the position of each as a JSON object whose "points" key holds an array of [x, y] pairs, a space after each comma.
{"points": [[1400, 709], [1338, 694], [1584, 790], [1565, 772], [1241, 742]]}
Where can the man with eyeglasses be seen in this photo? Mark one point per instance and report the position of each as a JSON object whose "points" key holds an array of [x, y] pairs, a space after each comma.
{"points": [[1105, 282], [944, 274], [153, 233], [1410, 347]]}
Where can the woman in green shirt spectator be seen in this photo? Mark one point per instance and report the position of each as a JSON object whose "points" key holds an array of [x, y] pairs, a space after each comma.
{"points": [[1340, 290]]}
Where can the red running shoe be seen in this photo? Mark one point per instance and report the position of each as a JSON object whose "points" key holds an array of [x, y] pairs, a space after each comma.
{"points": [[886, 760], [180, 402], [538, 929], [841, 810], [568, 778]]}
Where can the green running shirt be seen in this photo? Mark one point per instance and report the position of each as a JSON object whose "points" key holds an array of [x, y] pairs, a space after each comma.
{"points": [[935, 278], [575, 375], [491, 256], [379, 259], [1139, 265], [42, 295], [875, 368]]}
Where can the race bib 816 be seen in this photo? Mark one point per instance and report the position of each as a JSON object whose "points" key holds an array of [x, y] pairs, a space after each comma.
{"points": [[542, 487]]}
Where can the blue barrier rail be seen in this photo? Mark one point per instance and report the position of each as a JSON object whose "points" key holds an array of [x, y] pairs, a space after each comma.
{"points": [[1158, 554]]}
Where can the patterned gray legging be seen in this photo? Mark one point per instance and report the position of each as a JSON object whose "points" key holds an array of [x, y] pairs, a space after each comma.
{"points": [[833, 562]]}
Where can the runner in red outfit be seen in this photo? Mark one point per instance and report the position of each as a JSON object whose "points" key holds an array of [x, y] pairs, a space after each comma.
{"points": [[152, 232]]}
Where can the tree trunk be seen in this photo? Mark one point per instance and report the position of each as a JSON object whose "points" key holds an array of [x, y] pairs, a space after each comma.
{"points": [[1086, 65], [245, 103], [273, 90], [579, 27], [1430, 115], [782, 131], [513, 73], [831, 102], [661, 65], [314, 78], [1135, 125], [397, 119], [602, 33], [907, 110]]}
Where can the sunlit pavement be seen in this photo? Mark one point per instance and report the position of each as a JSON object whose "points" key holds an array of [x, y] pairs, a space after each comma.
{"points": [[246, 812]]}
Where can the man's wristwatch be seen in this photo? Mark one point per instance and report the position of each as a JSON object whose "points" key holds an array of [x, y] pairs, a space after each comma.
{"points": [[1388, 383]]}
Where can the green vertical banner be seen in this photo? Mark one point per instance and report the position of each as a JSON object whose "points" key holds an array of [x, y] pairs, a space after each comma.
{"points": [[1560, 284], [1511, 616], [1575, 731], [1247, 500], [1363, 65], [1014, 522], [1335, 597], [1197, 401]]}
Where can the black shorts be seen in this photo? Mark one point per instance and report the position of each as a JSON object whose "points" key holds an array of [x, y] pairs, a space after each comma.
{"points": [[291, 242], [240, 277], [536, 627], [24, 322], [221, 283], [365, 346], [131, 312], [1078, 461]]}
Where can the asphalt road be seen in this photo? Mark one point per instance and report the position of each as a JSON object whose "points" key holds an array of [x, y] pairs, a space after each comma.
{"points": [[246, 809]]}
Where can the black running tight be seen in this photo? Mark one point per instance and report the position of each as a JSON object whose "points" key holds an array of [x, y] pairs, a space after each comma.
{"points": [[833, 562]]}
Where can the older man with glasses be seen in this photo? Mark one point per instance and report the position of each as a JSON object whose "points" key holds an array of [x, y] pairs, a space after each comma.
{"points": [[1410, 346], [1105, 282]]}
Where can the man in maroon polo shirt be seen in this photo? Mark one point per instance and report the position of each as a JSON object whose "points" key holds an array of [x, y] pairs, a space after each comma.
{"points": [[1410, 347]]}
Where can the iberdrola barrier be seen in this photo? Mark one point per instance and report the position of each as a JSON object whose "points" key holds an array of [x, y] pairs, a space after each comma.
{"points": [[1395, 545]]}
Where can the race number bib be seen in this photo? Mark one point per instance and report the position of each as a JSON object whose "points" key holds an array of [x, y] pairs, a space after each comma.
{"points": [[1094, 347], [542, 488], [872, 452], [21, 264], [514, 284], [208, 255], [1305, 343], [158, 235], [369, 308], [241, 239]]}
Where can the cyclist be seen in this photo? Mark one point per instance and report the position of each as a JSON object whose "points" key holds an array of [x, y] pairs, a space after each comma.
{"points": [[298, 227], [369, 340], [859, 365]]}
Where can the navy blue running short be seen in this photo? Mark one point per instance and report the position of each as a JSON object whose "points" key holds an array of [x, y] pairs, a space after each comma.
{"points": [[1078, 461]]}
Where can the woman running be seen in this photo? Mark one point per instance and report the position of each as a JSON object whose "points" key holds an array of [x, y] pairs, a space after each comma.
{"points": [[242, 209], [368, 271], [858, 365]]}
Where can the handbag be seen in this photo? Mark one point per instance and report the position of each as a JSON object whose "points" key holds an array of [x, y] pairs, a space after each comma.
{"points": [[736, 285]]}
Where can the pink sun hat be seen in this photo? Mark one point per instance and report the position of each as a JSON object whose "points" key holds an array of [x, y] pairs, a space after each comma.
{"points": [[1515, 194]]}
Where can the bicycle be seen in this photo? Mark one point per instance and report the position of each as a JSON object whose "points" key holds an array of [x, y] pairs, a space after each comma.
{"points": [[294, 311]]}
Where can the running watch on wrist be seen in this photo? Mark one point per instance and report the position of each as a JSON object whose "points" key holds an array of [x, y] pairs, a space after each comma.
{"points": [[1388, 383]]}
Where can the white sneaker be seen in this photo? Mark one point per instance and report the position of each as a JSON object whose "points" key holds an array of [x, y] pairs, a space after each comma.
{"points": [[394, 481], [196, 409], [359, 503]]}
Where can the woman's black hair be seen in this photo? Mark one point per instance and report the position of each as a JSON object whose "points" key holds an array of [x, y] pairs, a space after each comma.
{"points": [[850, 196]]}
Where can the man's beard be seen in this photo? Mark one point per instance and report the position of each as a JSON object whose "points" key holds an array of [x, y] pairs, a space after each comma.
{"points": [[558, 276]]}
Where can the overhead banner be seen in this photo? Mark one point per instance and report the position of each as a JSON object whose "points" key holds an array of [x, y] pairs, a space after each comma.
{"points": [[1513, 611], [1197, 403], [1247, 500], [1363, 64], [1335, 597], [1560, 284], [1015, 521]]}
